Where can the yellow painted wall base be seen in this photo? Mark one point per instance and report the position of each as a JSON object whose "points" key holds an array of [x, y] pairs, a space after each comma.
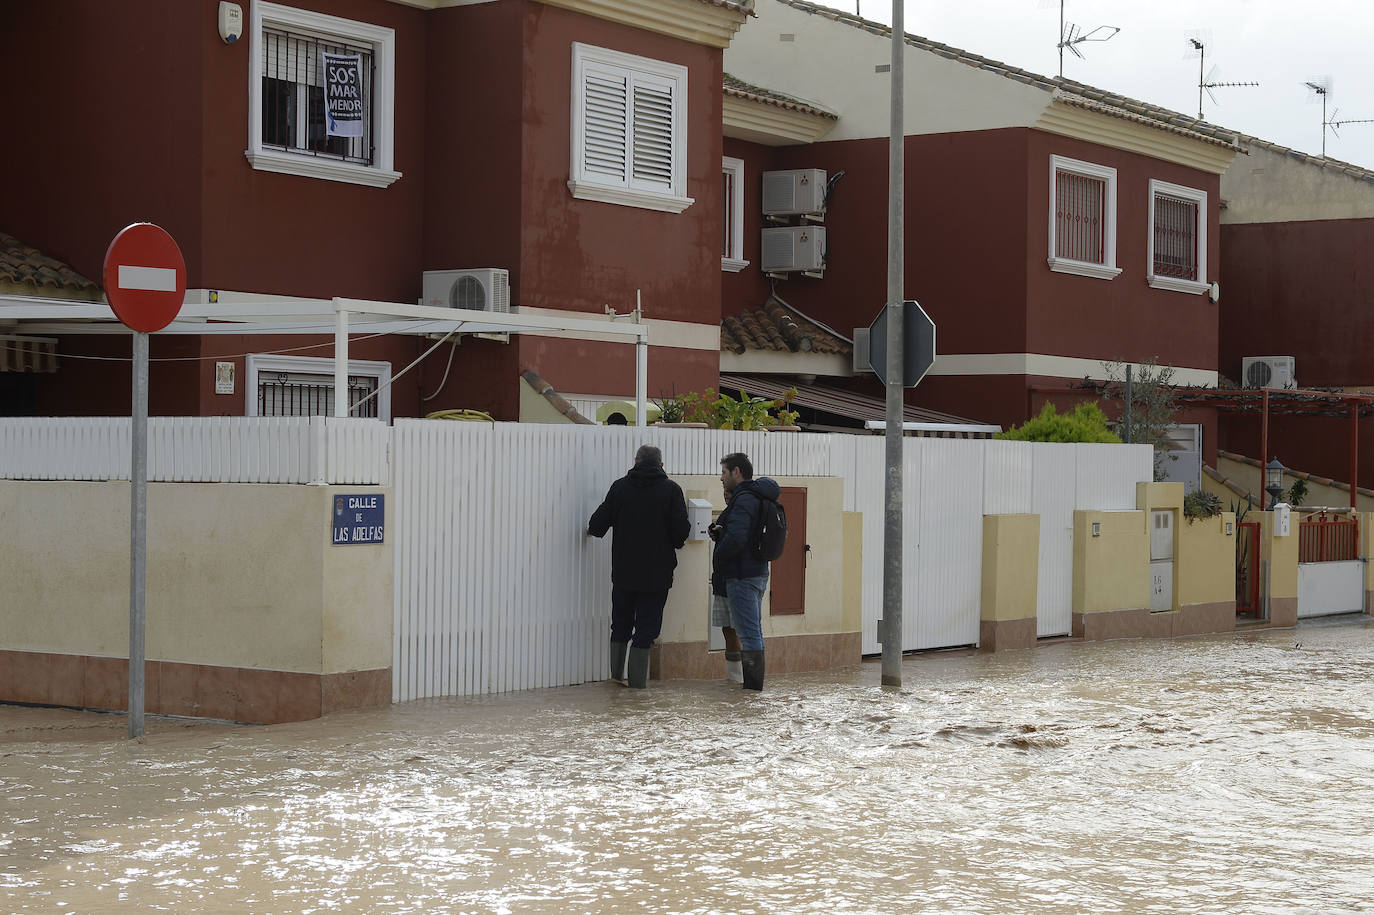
{"points": [[190, 690], [783, 654], [1142, 624]]}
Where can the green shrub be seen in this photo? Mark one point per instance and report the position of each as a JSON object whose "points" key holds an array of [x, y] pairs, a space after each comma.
{"points": [[1086, 423], [1200, 504]]}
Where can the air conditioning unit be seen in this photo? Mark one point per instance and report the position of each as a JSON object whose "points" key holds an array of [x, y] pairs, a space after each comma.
{"points": [[1268, 372], [481, 289], [796, 192], [861, 363], [794, 248]]}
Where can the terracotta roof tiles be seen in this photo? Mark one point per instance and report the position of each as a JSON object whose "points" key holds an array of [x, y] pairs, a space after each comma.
{"points": [[27, 270], [740, 89], [777, 329]]}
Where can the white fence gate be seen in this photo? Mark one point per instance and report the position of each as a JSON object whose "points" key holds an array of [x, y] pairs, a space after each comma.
{"points": [[1329, 588]]}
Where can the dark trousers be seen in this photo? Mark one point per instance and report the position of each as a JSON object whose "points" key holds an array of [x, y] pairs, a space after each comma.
{"points": [[638, 614]]}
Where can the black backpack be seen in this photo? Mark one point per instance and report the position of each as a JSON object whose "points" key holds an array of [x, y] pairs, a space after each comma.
{"points": [[770, 530]]}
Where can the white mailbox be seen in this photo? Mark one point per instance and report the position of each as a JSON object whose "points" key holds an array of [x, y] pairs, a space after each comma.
{"points": [[1281, 520], [699, 513]]}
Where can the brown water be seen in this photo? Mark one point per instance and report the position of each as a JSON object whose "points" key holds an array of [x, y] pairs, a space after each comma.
{"points": [[1220, 774]]}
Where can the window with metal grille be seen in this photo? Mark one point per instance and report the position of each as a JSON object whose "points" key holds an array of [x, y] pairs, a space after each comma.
{"points": [[629, 130], [1178, 237], [1078, 217], [289, 385], [299, 57], [303, 394], [293, 113], [1082, 223]]}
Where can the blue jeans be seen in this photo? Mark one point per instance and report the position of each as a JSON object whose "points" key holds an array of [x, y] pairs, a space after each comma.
{"points": [[746, 609], [637, 616]]}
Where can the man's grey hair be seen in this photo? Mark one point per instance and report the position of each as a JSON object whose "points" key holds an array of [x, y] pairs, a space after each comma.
{"points": [[649, 455]]}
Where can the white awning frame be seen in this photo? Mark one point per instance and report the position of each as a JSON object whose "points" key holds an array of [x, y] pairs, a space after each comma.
{"points": [[319, 317]]}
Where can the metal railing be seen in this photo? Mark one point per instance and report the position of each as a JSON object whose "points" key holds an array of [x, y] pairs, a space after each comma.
{"points": [[1322, 539]]}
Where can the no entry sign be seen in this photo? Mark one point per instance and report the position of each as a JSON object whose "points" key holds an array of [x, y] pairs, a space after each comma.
{"points": [[145, 277]]}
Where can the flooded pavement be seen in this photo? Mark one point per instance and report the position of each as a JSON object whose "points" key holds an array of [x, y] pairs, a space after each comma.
{"points": [[1218, 774]]}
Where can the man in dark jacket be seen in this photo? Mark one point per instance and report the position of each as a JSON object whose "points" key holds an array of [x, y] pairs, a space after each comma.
{"points": [[649, 515], [746, 578]]}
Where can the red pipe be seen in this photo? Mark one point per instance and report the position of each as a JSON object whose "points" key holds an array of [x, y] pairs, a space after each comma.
{"points": [[1354, 450]]}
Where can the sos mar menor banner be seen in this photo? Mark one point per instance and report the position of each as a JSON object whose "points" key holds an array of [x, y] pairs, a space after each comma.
{"points": [[343, 94]]}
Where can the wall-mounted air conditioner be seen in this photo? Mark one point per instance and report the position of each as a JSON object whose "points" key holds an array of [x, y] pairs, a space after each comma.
{"points": [[794, 248], [481, 289], [796, 192], [1268, 372], [861, 351]]}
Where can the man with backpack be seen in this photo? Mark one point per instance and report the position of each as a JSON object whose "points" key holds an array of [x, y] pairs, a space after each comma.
{"points": [[649, 515], [748, 534]]}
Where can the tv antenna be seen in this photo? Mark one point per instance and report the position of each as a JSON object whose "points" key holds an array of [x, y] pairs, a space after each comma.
{"points": [[1323, 87], [1071, 36], [1197, 47]]}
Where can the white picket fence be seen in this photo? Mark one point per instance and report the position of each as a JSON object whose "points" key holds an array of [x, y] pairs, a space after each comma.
{"points": [[184, 449], [496, 586]]}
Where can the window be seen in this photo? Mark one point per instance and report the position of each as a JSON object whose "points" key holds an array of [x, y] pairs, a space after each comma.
{"points": [[629, 130], [1178, 237], [732, 215], [1082, 218], [304, 386], [289, 129]]}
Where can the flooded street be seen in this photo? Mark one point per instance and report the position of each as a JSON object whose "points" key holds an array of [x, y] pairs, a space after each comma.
{"points": [[1218, 774]]}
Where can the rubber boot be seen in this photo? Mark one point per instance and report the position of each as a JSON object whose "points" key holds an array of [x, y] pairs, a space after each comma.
{"points": [[639, 668], [752, 662], [618, 650], [734, 671]]}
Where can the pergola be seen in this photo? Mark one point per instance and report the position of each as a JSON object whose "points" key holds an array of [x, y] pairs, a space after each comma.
{"points": [[1286, 402], [338, 317]]}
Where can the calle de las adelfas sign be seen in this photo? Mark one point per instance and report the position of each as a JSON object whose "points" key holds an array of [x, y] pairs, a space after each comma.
{"points": [[359, 518]]}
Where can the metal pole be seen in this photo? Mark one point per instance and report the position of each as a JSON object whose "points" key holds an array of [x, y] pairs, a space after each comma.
{"points": [[138, 533], [340, 361], [1128, 404], [1201, 65], [641, 367], [1264, 442], [892, 517]]}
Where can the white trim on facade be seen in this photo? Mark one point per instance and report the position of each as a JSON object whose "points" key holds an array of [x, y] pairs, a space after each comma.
{"points": [[691, 20], [734, 262], [1175, 284], [638, 74], [315, 365], [1108, 268], [383, 41], [1049, 366]]}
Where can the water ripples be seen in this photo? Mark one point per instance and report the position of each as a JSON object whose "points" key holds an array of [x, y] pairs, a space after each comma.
{"points": [[1220, 774]]}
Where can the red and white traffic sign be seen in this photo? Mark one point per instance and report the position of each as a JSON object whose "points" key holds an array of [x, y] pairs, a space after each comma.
{"points": [[145, 277]]}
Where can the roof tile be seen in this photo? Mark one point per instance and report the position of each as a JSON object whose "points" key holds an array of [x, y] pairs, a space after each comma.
{"points": [[34, 272]]}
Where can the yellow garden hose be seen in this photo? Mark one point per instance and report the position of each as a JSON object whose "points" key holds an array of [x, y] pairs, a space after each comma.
{"points": [[470, 415]]}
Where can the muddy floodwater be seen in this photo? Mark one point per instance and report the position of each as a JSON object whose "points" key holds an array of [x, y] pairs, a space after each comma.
{"points": [[1219, 774]]}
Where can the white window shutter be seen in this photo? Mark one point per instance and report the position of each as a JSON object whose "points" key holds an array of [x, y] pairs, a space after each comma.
{"points": [[606, 125], [653, 135]]}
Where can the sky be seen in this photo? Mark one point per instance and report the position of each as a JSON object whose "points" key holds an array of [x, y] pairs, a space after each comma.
{"points": [[1281, 44]]}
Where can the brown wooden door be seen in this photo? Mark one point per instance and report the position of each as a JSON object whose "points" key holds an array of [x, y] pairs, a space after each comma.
{"points": [[787, 574]]}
